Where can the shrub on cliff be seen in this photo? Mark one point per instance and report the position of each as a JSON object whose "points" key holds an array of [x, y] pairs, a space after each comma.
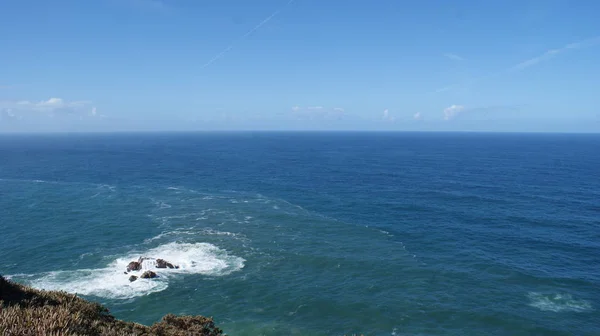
{"points": [[27, 311]]}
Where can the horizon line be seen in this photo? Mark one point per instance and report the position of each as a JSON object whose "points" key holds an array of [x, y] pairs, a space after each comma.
{"points": [[120, 132]]}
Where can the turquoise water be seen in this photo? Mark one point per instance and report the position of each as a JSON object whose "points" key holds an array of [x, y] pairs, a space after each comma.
{"points": [[314, 233]]}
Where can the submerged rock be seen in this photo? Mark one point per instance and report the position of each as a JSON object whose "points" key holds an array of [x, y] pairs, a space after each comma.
{"points": [[148, 275], [132, 278]]}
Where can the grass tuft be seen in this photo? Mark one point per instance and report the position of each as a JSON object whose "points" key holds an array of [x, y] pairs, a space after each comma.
{"points": [[25, 311]]}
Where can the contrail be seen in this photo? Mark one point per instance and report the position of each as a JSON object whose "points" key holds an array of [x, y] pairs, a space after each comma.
{"points": [[262, 23], [553, 52], [532, 61]]}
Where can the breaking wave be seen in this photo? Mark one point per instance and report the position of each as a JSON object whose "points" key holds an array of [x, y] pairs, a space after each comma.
{"points": [[111, 282], [558, 302]]}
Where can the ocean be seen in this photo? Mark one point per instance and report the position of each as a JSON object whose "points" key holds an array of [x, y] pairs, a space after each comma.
{"points": [[314, 233]]}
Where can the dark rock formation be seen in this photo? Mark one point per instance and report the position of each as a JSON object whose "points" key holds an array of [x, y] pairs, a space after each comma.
{"points": [[137, 265], [134, 266], [161, 263], [148, 275], [132, 278]]}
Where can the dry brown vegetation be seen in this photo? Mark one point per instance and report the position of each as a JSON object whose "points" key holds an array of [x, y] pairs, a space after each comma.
{"points": [[27, 311]]}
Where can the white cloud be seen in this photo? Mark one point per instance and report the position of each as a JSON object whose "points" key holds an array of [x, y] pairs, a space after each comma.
{"points": [[417, 116], [489, 112], [452, 111], [338, 109], [8, 114], [45, 105], [46, 108], [296, 108], [387, 116], [52, 102], [315, 107], [454, 57]]}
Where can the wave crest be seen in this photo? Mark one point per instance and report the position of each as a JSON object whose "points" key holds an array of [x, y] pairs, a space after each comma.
{"points": [[111, 282], [558, 302]]}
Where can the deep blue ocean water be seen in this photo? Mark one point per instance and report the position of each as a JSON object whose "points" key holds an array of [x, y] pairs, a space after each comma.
{"points": [[314, 233]]}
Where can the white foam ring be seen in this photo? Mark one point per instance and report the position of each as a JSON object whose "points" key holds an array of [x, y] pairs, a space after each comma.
{"points": [[112, 283], [170, 233], [558, 302], [192, 232]]}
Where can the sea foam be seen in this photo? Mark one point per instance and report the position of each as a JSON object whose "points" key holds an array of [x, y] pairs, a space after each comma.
{"points": [[558, 302], [111, 282]]}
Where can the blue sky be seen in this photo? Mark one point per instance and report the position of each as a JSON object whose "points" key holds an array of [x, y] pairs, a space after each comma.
{"points": [[109, 65]]}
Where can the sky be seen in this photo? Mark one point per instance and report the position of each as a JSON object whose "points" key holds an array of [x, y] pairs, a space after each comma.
{"points": [[183, 65]]}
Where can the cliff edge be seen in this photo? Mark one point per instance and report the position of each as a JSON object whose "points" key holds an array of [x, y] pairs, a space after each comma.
{"points": [[28, 311]]}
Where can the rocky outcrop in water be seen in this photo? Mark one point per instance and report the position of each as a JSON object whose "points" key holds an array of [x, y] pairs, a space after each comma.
{"points": [[134, 266], [161, 263], [148, 275], [132, 278]]}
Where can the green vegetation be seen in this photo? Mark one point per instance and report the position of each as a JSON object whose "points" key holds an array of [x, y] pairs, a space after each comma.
{"points": [[27, 311]]}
